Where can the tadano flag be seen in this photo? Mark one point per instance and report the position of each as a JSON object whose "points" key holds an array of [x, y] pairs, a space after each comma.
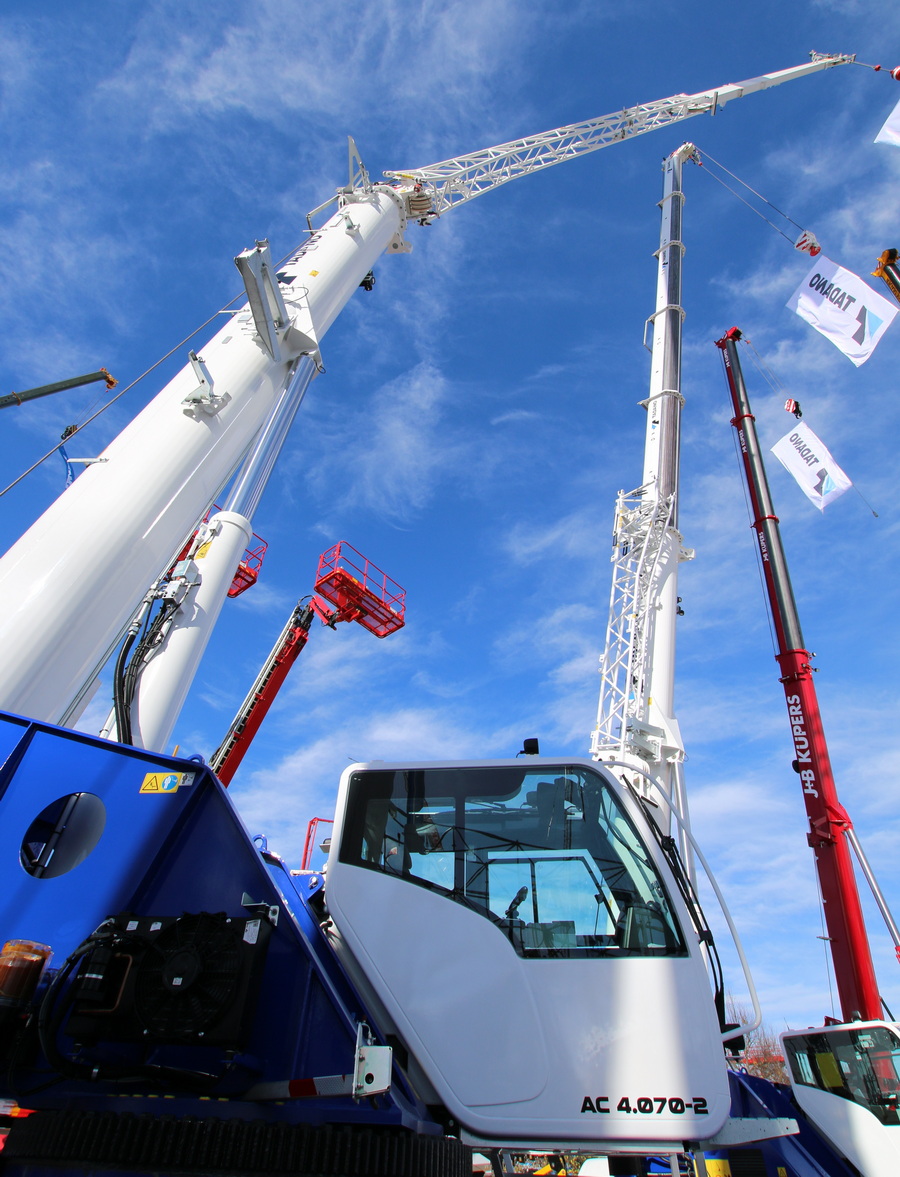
{"points": [[820, 477], [890, 132], [843, 308]]}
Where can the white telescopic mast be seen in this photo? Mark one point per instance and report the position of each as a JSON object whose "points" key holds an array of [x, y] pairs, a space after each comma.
{"points": [[636, 720]]}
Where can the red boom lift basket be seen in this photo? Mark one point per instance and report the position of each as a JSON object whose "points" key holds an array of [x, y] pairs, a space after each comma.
{"points": [[359, 591]]}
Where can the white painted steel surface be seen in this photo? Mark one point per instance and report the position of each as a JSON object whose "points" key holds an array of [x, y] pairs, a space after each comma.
{"points": [[462, 999], [166, 679], [873, 1147], [70, 585], [164, 684], [636, 719]]}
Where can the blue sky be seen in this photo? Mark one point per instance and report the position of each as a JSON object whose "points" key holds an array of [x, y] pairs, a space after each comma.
{"points": [[479, 410]]}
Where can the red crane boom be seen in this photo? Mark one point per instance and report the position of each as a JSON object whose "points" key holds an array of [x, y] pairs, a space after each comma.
{"points": [[359, 591], [828, 820]]}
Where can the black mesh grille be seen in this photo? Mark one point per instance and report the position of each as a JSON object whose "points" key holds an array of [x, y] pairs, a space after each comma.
{"points": [[747, 1162]]}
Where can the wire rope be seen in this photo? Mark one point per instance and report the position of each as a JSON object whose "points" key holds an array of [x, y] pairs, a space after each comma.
{"points": [[825, 938], [704, 156], [112, 400], [49, 454]]}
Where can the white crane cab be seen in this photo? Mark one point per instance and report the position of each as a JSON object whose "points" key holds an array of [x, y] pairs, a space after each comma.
{"points": [[846, 1078], [522, 934]]}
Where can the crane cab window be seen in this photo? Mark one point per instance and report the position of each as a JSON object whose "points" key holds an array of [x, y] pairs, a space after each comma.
{"points": [[860, 1065], [547, 854]]}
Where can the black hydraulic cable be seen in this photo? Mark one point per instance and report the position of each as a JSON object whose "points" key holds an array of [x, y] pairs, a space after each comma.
{"points": [[53, 1011], [126, 676], [692, 901], [120, 704]]}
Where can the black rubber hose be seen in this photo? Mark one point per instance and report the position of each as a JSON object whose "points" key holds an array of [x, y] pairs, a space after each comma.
{"points": [[120, 703]]}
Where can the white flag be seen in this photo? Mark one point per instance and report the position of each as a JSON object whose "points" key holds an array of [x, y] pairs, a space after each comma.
{"points": [[843, 308], [890, 132], [820, 477]]}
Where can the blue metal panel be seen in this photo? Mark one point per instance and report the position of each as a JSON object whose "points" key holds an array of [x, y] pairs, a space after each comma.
{"points": [[805, 1155], [47, 763], [161, 854]]}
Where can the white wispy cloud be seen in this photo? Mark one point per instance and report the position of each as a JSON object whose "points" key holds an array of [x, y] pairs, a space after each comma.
{"points": [[514, 416], [266, 63], [393, 449]]}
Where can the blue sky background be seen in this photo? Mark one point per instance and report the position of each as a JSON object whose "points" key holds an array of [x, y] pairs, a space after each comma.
{"points": [[479, 409]]}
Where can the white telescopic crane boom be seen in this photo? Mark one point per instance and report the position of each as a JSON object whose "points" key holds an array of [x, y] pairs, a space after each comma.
{"points": [[636, 723], [454, 181], [70, 585]]}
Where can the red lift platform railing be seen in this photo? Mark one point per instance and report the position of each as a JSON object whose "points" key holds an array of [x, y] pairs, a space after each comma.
{"points": [[310, 844], [248, 570], [359, 591]]}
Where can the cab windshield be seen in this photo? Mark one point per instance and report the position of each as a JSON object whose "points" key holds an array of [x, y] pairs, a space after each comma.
{"points": [[861, 1065], [547, 854]]}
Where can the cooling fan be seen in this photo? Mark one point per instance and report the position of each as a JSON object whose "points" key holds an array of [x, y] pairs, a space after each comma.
{"points": [[188, 979]]}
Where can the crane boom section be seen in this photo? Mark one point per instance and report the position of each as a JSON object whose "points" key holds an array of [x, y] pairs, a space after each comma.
{"points": [[118, 526], [454, 181], [228, 756], [828, 821], [636, 720]]}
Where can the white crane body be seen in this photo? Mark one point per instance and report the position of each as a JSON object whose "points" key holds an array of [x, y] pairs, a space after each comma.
{"points": [[636, 722], [70, 585], [521, 934]]}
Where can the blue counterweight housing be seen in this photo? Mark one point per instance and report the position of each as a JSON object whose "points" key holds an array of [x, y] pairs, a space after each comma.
{"points": [[188, 967]]}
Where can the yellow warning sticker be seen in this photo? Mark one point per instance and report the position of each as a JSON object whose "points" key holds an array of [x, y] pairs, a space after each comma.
{"points": [[163, 782]]}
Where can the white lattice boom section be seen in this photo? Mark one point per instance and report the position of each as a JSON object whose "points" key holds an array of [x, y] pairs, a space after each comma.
{"points": [[454, 181], [622, 728]]}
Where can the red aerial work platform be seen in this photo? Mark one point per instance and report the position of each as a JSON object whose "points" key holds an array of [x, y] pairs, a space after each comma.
{"points": [[358, 591]]}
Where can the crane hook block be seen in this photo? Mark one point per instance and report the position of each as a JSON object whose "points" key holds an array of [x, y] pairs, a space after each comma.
{"points": [[889, 272], [807, 243]]}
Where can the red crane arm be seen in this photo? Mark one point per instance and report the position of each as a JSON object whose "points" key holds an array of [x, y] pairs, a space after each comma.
{"points": [[262, 694], [828, 820]]}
